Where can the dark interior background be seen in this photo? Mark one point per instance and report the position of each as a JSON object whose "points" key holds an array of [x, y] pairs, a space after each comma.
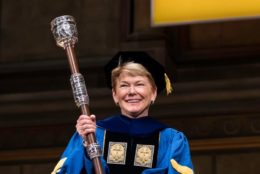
{"points": [[214, 67]]}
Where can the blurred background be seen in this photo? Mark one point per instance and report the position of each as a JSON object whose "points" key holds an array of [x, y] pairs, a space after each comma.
{"points": [[214, 67]]}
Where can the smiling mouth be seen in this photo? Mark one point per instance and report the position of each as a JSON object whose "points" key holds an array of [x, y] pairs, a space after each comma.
{"points": [[133, 101]]}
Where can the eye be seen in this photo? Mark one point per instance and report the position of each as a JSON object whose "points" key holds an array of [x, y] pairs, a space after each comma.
{"points": [[123, 85], [140, 84]]}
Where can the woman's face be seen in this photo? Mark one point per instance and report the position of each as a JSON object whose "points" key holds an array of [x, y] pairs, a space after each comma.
{"points": [[133, 94]]}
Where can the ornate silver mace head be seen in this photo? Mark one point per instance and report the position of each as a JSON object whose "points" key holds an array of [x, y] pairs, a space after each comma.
{"points": [[64, 31]]}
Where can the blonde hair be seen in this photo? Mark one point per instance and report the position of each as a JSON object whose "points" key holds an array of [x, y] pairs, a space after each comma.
{"points": [[133, 69]]}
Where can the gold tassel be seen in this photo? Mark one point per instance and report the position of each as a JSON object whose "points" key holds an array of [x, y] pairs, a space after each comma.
{"points": [[168, 86]]}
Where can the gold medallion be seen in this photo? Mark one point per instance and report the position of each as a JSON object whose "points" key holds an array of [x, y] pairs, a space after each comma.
{"points": [[116, 153], [144, 155]]}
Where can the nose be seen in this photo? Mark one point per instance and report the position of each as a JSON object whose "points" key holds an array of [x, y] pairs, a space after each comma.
{"points": [[132, 90]]}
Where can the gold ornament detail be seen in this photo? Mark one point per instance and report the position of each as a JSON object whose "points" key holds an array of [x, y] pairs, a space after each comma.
{"points": [[144, 155], [117, 153]]}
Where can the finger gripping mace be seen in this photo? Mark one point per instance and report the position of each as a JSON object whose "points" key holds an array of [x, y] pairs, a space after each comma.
{"points": [[65, 33]]}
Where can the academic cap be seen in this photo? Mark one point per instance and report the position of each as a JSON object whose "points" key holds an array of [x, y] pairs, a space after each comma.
{"points": [[155, 68]]}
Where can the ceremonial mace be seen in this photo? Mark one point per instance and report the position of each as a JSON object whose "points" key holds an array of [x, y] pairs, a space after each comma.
{"points": [[65, 33]]}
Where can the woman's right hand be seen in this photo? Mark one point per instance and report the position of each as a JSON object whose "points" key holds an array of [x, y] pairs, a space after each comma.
{"points": [[85, 125]]}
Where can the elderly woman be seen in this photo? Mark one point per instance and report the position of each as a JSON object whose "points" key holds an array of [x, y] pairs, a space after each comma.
{"points": [[132, 141]]}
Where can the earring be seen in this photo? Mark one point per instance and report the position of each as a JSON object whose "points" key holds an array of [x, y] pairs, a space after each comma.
{"points": [[152, 102]]}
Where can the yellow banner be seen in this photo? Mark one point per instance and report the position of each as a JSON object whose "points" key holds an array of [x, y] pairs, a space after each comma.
{"points": [[175, 12]]}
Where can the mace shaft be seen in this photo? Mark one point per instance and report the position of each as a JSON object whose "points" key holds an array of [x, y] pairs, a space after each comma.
{"points": [[91, 139]]}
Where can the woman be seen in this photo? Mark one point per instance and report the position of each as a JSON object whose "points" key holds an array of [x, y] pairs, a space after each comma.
{"points": [[132, 141]]}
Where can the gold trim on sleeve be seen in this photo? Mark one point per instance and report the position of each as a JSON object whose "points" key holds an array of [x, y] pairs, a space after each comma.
{"points": [[180, 168]]}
